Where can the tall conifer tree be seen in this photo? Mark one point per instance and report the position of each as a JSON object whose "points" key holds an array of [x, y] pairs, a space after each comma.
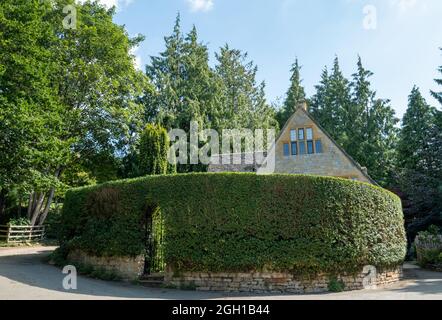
{"points": [[294, 95]]}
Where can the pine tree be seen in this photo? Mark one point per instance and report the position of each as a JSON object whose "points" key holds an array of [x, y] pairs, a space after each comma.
{"points": [[358, 116], [243, 99], [319, 102], [186, 87], [362, 124], [332, 102], [438, 95], [377, 151], [420, 163], [416, 125], [294, 95]]}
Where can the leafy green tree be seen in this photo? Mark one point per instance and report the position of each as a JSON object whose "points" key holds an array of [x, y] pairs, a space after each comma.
{"points": [[76, 91], [29, 112], [295, 94]]}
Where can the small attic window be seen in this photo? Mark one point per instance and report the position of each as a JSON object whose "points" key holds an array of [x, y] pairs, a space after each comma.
{"points": [[301, 134], [292, 135], [309, 133]]}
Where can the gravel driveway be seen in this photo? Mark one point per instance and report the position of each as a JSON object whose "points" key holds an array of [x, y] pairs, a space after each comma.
{"points": [[23, 275]]}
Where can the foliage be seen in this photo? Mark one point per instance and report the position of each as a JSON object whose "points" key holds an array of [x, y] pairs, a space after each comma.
{"points": [[416, 126], [361, 123], [153, 151], [438, 95], [19, 222], [183, 81], [69, 97], [295, 94], [52, 224], [243, 222], [429, 247], [419, 157], [336, 285]]}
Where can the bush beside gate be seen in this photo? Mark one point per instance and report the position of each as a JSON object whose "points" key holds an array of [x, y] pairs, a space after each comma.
{"points": [[233, 222]]}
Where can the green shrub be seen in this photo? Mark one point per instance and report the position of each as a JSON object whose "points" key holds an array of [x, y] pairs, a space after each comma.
{"points": [[429, 247], [242, 222], [429, 257], [52, 224], [19, 222], [153, 150], [60, 255], [336, 285]]}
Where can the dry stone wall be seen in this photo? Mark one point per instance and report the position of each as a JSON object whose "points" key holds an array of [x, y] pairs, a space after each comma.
{"points": [[258, 282], [127, 268]]}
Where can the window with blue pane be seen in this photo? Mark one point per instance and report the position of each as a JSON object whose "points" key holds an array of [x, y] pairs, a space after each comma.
{"points": [[294, 148], [310, 149], [318, 146], [286, 149], [302, 147]]}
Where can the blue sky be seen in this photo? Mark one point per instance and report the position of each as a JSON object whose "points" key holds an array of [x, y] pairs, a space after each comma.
{"points": [[399, 44]]}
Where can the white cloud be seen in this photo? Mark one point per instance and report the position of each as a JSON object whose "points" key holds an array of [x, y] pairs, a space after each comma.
{"points": [[404, 4], [138, 62], [109, 3], [200, 5]]}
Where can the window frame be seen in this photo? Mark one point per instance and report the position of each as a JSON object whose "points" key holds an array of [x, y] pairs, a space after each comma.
{"points": [[312, 144], [316, 146], [306, 134], [293, 135], [302, 151], [284, 149], [294, 143], [303, 134]]}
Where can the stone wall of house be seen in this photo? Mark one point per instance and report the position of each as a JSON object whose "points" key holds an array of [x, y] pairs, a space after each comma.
{"points": [[331, 162], [261, 282], [127, 268]]}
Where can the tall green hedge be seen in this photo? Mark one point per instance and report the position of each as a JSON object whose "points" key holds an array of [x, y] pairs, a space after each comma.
{"points": [[242, 222]]}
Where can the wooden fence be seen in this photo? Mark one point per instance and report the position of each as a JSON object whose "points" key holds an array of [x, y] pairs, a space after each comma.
{"points": [[20, 234]]}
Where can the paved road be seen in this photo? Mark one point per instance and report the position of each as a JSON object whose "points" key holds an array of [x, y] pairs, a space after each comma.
{"points": [[23, 275]]}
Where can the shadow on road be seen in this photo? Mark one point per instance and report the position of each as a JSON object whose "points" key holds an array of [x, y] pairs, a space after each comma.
{"points": [[45, 281], [24, 275]]}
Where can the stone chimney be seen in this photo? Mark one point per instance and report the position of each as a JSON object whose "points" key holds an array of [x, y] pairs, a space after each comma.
{"points": [[303, 105]]}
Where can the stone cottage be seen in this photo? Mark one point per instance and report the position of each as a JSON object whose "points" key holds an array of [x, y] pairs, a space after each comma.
{"points": [[304, 147]]}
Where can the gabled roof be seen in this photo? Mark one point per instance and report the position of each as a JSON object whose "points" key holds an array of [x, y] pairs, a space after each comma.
{"points": [[355, 163]]}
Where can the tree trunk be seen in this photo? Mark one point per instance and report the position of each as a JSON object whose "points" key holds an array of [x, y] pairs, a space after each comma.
{"points": [[3, 194], [37, 208], [47, 207], [30, 204], [37, 213]]}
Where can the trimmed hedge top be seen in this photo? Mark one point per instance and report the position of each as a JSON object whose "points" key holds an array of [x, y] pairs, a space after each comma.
{"points": [[241, 222]]}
